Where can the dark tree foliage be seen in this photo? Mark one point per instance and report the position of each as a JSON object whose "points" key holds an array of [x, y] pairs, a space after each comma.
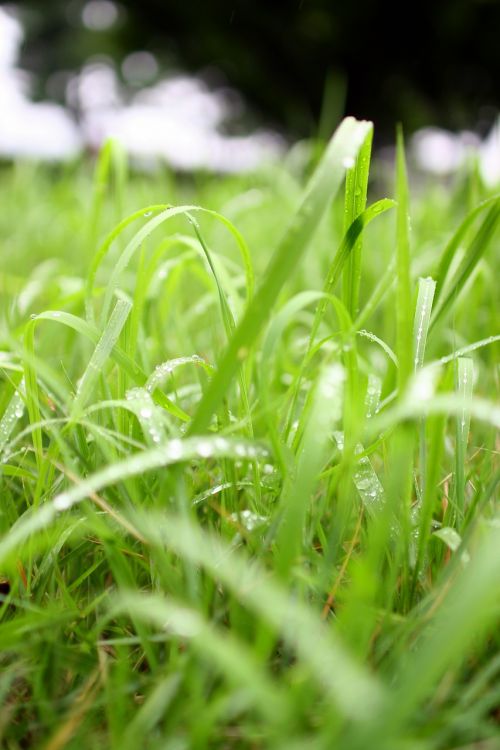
{"points": [[420, 63]]}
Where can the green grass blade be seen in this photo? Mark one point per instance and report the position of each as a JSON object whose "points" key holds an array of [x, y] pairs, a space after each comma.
{"points": [[472, 256], [104, 249], [322, 187], [403, 289], [224, 651], [13, 412], [101, 353], [346, 247], [142, 234], [426, 289], [356, 189], [455, 243], [464, 387], [467, 609], [346, 683], [325, 411]]}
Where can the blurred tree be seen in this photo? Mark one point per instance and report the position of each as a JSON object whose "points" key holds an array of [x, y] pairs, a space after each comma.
{"points": [[421, 63]]}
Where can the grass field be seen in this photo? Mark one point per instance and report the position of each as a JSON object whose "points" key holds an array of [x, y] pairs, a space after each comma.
{"points": [[249, 457]]}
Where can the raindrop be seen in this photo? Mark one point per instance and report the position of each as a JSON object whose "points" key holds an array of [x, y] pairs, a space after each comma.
{"points": [[205, 449], [62, 502], [221, 444], [175, 449]]}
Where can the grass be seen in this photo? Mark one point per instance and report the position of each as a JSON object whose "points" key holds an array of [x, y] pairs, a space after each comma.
{"points": [[249, 457]]}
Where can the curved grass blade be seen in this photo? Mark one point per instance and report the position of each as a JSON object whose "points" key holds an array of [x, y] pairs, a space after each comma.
{"points": [[104, 248], [383, 344], [146, 411], [103, 349], [473, 254], [86, 329], [165, 369], [226, 652], [170, 453], [463, 351], [455, 242], [145, 231], [323, 185], [346, 247], [350, 687], [442, 403]]}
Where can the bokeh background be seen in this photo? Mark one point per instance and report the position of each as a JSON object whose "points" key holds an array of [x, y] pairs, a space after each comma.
{"points": [[233, 81]]}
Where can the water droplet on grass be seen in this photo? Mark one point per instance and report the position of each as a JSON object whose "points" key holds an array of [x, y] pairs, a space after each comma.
{"points": [[174, 449], [62, 502], [221, 444], [205, 449]]}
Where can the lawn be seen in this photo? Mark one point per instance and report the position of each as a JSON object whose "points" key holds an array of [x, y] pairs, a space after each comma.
{"points": [[249, 455]]}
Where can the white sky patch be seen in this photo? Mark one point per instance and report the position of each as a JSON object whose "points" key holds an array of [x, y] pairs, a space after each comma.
{"points": [[177, 120], [42, 130], [140, 68], [442, 152], [100, 15]]}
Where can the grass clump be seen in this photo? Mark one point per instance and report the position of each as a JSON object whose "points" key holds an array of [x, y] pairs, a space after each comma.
{"points": [[249, 459]]}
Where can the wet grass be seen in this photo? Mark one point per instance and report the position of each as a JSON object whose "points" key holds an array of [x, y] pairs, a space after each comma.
{"points": [[249, 457]]}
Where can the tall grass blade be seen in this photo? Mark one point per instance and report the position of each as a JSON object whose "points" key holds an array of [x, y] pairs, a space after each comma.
{"points": [[464, 387], [426, 289], [356, 189], [403, 290], [325, 410], [322, 187], [473, 254], [12, 414], [101, 353]]}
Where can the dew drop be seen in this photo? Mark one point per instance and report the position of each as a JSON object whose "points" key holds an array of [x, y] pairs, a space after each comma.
{"points": [[221, 444], [62, 502], [205, 449], [175, 449]]}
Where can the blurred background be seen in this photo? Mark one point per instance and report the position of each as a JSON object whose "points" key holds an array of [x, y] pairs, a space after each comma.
{"points": [[223, 85]]}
